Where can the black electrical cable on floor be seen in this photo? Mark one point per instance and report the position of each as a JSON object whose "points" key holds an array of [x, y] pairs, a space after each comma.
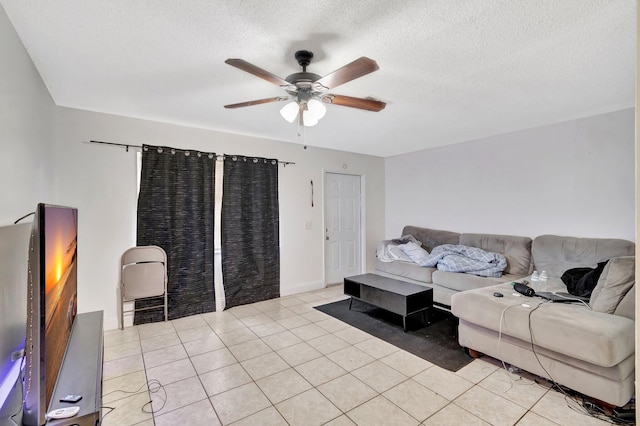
{"points": [[153, 386], [157, 388], [109, 412], [592, 411]]}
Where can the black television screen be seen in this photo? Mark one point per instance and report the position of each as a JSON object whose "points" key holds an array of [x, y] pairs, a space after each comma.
{"points": [[51, 304]]}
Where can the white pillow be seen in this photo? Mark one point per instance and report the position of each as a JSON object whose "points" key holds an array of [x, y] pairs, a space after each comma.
{"points": [[396, 253], [382, 252], [414, 251]]}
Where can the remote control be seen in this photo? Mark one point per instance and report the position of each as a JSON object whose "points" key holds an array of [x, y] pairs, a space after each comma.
{"points": [[63, 413], [71, 398]]}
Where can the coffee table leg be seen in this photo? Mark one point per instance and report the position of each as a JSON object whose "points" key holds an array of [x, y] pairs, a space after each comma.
{"points": [[350, 302], [404, 323]]}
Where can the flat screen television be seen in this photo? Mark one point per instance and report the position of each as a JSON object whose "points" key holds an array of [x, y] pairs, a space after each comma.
{"points": [[51, 304]]}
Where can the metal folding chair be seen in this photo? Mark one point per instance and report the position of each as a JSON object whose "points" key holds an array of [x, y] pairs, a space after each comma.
{"points": [[143, 275]]}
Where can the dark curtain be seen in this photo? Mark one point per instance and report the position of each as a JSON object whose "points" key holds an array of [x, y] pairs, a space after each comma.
{"points": [[250, 230], [175, 212]]}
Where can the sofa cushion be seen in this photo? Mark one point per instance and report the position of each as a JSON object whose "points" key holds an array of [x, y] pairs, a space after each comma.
{"points": [[431, 238], [616, 280], [406, 269], [627, 306], [556, 254], [569, 329], [517, 250], [462, 282]]}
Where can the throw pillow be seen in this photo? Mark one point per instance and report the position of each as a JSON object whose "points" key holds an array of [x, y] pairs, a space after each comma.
{"points": [[627, 306], [385, 252], [582, 281], [414, 251], [617, 278], [382, 252], [397, 254]]}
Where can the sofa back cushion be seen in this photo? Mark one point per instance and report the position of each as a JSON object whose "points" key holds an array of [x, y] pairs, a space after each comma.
{"points": [[517, 250], [617, 278], [557, 254], [431, 238], [627, 306]]}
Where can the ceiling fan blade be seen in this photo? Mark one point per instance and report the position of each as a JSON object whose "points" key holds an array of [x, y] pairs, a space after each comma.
{"points": [[258, 72], [351, 71], [259, 102], [348, 101]]}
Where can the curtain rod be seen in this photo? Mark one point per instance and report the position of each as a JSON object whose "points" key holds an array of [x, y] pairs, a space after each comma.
{"points": [[127, 146]]}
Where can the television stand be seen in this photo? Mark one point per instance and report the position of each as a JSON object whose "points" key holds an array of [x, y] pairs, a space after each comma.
{"points": [[81, 372]]}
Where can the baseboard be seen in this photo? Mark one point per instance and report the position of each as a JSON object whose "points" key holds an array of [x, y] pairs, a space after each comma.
{"points": [[112, 323], [301, 288]]}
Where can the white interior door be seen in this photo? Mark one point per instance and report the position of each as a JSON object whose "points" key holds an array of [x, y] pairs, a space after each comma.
{"points": [[343, 241]]}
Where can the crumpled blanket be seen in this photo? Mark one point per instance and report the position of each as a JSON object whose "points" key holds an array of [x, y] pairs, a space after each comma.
{"points": [[470, 260], [388, 250]]}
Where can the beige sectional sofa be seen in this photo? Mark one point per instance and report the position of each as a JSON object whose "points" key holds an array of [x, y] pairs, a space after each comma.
{"points": [[589, 351], [517, 251]]}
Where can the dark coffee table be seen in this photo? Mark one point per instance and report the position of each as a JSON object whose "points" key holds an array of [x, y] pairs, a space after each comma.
{"points": [[400, 297]]}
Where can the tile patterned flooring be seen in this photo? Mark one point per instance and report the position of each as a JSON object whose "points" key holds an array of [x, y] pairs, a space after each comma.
{"points": [[281, 362]]}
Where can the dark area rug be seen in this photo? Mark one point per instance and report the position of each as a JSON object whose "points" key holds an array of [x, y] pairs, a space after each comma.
{"points": [[437, 342]]}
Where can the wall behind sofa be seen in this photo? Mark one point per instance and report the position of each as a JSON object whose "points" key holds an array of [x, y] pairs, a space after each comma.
{"points": [[572, 178]]}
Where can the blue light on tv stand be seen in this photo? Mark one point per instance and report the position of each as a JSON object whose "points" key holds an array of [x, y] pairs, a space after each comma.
{"points": [[9, 381]]}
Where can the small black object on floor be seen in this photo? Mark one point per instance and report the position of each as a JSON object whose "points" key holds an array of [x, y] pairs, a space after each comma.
{"points": [[437, 342]]}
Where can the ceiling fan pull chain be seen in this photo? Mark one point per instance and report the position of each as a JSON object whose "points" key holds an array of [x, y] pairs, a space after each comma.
{"points": [[300, 122]]}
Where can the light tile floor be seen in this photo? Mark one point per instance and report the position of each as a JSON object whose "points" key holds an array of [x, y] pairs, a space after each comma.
{"points": [[281, 362]]}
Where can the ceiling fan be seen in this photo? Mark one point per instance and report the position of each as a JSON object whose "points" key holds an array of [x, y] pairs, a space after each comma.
{"points": [[308, 91]]}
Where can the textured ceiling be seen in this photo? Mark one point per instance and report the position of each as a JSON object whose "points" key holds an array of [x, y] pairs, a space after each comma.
{"points": [[451, 71]]}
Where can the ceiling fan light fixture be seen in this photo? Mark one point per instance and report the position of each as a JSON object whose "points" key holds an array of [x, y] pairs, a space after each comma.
{"points": [[290, 111], [308, 119], [316, 109], [312, 111]]}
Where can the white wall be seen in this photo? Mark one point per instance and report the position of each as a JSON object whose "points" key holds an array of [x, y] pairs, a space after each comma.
{"points": [[101, 181], [574, 178], [45, 160], [26, 124], [26, 112]]}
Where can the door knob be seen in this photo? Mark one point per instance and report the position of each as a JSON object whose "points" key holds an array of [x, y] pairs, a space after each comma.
{"points": [[326, 238]]}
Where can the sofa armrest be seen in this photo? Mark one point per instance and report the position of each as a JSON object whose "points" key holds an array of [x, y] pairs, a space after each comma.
{"points": [[570, 329]]}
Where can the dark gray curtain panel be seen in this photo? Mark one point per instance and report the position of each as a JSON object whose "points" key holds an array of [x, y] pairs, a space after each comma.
{"points": [[249, 230], [175, 212]]}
